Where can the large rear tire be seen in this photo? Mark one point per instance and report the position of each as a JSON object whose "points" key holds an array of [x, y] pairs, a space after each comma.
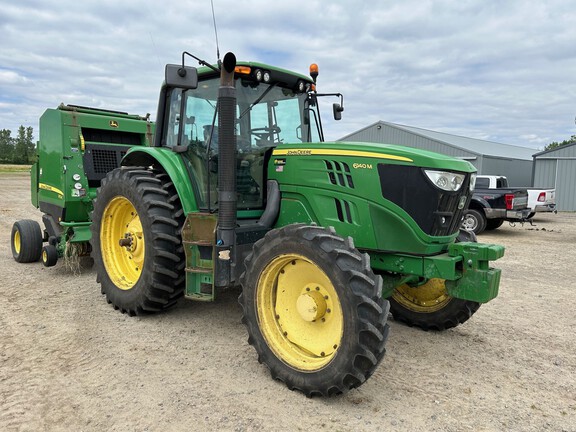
{"points": [[429, 306], [136, 241], [313, 310], [26, 241]]}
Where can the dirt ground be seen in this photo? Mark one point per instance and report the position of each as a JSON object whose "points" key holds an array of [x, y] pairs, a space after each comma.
{"points": [[70, 362]]}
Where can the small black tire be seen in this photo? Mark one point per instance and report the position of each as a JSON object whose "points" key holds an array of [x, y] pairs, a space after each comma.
{"points": [[146, 273], [26, 241], [492, 224], [337, 343], [474, 221], [49, 255]]}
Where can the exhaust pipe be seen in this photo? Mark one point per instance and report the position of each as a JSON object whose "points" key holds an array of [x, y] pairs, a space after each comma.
{"points": [[227, 200]]}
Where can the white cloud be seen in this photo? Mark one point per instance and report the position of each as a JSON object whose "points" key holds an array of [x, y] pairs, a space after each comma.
{"points": [[502, 71], [8, 77]]}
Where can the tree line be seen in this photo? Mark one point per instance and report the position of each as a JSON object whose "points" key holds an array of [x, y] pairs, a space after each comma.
{"points": [[19, 150], [555, 144]]}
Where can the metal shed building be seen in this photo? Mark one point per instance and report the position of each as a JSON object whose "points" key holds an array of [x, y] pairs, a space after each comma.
{"points": [[489, 158], [556, 168]]}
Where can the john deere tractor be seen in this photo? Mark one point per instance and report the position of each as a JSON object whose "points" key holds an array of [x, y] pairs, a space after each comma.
{"points": [[238, 187]]}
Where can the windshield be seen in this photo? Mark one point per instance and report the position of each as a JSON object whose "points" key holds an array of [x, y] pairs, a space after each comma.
{"points": [[266, 115]]}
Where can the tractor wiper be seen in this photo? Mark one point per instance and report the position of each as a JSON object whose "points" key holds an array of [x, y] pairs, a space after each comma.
{"points": [[262, 96]]}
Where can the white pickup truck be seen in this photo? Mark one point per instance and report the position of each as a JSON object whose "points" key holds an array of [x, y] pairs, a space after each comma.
{"points": [[539, 200]]}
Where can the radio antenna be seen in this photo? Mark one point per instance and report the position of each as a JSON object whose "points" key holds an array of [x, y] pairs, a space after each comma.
{"points": [[215, 31]]}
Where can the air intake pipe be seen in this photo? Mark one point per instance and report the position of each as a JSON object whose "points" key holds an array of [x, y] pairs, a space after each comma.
{"points": [[227, 200]]}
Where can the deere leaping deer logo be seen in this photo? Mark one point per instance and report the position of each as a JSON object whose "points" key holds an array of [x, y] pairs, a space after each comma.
{"points": [[113, 123]]}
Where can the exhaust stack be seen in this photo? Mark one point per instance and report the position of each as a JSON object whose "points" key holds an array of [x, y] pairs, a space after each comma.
{"points": [[227, 200]]}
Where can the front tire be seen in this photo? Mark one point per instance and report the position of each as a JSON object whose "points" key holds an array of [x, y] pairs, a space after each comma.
{"points": [[429, 306], [136, 242], [313, 310]]}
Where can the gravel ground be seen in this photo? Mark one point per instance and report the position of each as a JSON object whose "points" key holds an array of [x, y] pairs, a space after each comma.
{"points": [[70, 362]]}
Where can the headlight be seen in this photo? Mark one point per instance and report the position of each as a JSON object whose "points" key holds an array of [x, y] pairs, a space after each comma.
{"points": [[258, 74], [445, 180], [301, 86], [472, 182]]}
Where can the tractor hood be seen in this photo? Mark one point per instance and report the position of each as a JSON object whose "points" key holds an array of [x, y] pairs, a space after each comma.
{"points": [[369, 153]]}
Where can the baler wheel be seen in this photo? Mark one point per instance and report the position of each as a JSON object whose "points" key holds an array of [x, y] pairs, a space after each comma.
{"points": [[136, 242], [26, 241], [313, 310], [49, 255]]}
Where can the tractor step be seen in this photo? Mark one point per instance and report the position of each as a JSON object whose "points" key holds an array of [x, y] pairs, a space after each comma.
{"points": [[198, 238]]}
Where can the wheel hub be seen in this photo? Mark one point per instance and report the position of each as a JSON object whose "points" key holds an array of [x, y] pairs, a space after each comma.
{"points": [[469, 223], [17, 242], [311, 306]]}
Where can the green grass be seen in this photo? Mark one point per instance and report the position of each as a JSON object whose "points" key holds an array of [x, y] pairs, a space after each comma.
{"points": [[14, 168]]}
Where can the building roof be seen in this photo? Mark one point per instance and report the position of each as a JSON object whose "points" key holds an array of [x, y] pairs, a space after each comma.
{"points": [[473, 145], [559, 149]]}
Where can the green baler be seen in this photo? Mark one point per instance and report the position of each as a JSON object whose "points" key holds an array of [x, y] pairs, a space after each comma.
{"points": [[239, 188], [78, 147]]}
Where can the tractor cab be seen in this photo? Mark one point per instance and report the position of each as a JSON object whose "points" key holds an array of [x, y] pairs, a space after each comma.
{"points": [[273, 107]]}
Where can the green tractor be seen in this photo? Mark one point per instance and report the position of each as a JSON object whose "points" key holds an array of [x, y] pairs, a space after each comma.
{"points": [[238, 187]]}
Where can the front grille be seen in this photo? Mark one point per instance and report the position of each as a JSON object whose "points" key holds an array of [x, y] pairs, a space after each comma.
{"points": [[435, 211]]}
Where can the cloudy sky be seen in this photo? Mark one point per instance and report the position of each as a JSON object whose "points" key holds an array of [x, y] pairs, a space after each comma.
{"points": [[503, 71]]}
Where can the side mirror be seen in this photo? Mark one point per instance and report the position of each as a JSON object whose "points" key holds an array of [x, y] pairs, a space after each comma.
{"points": [[337, 109], [185, 77]]}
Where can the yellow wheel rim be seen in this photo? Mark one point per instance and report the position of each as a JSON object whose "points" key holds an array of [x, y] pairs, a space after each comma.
{"points": [[122, 243], [17, 242], [426, 298], [299, 312]]}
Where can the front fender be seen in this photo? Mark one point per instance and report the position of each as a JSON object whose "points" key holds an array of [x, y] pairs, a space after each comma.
{"points": [[172, 164]]}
